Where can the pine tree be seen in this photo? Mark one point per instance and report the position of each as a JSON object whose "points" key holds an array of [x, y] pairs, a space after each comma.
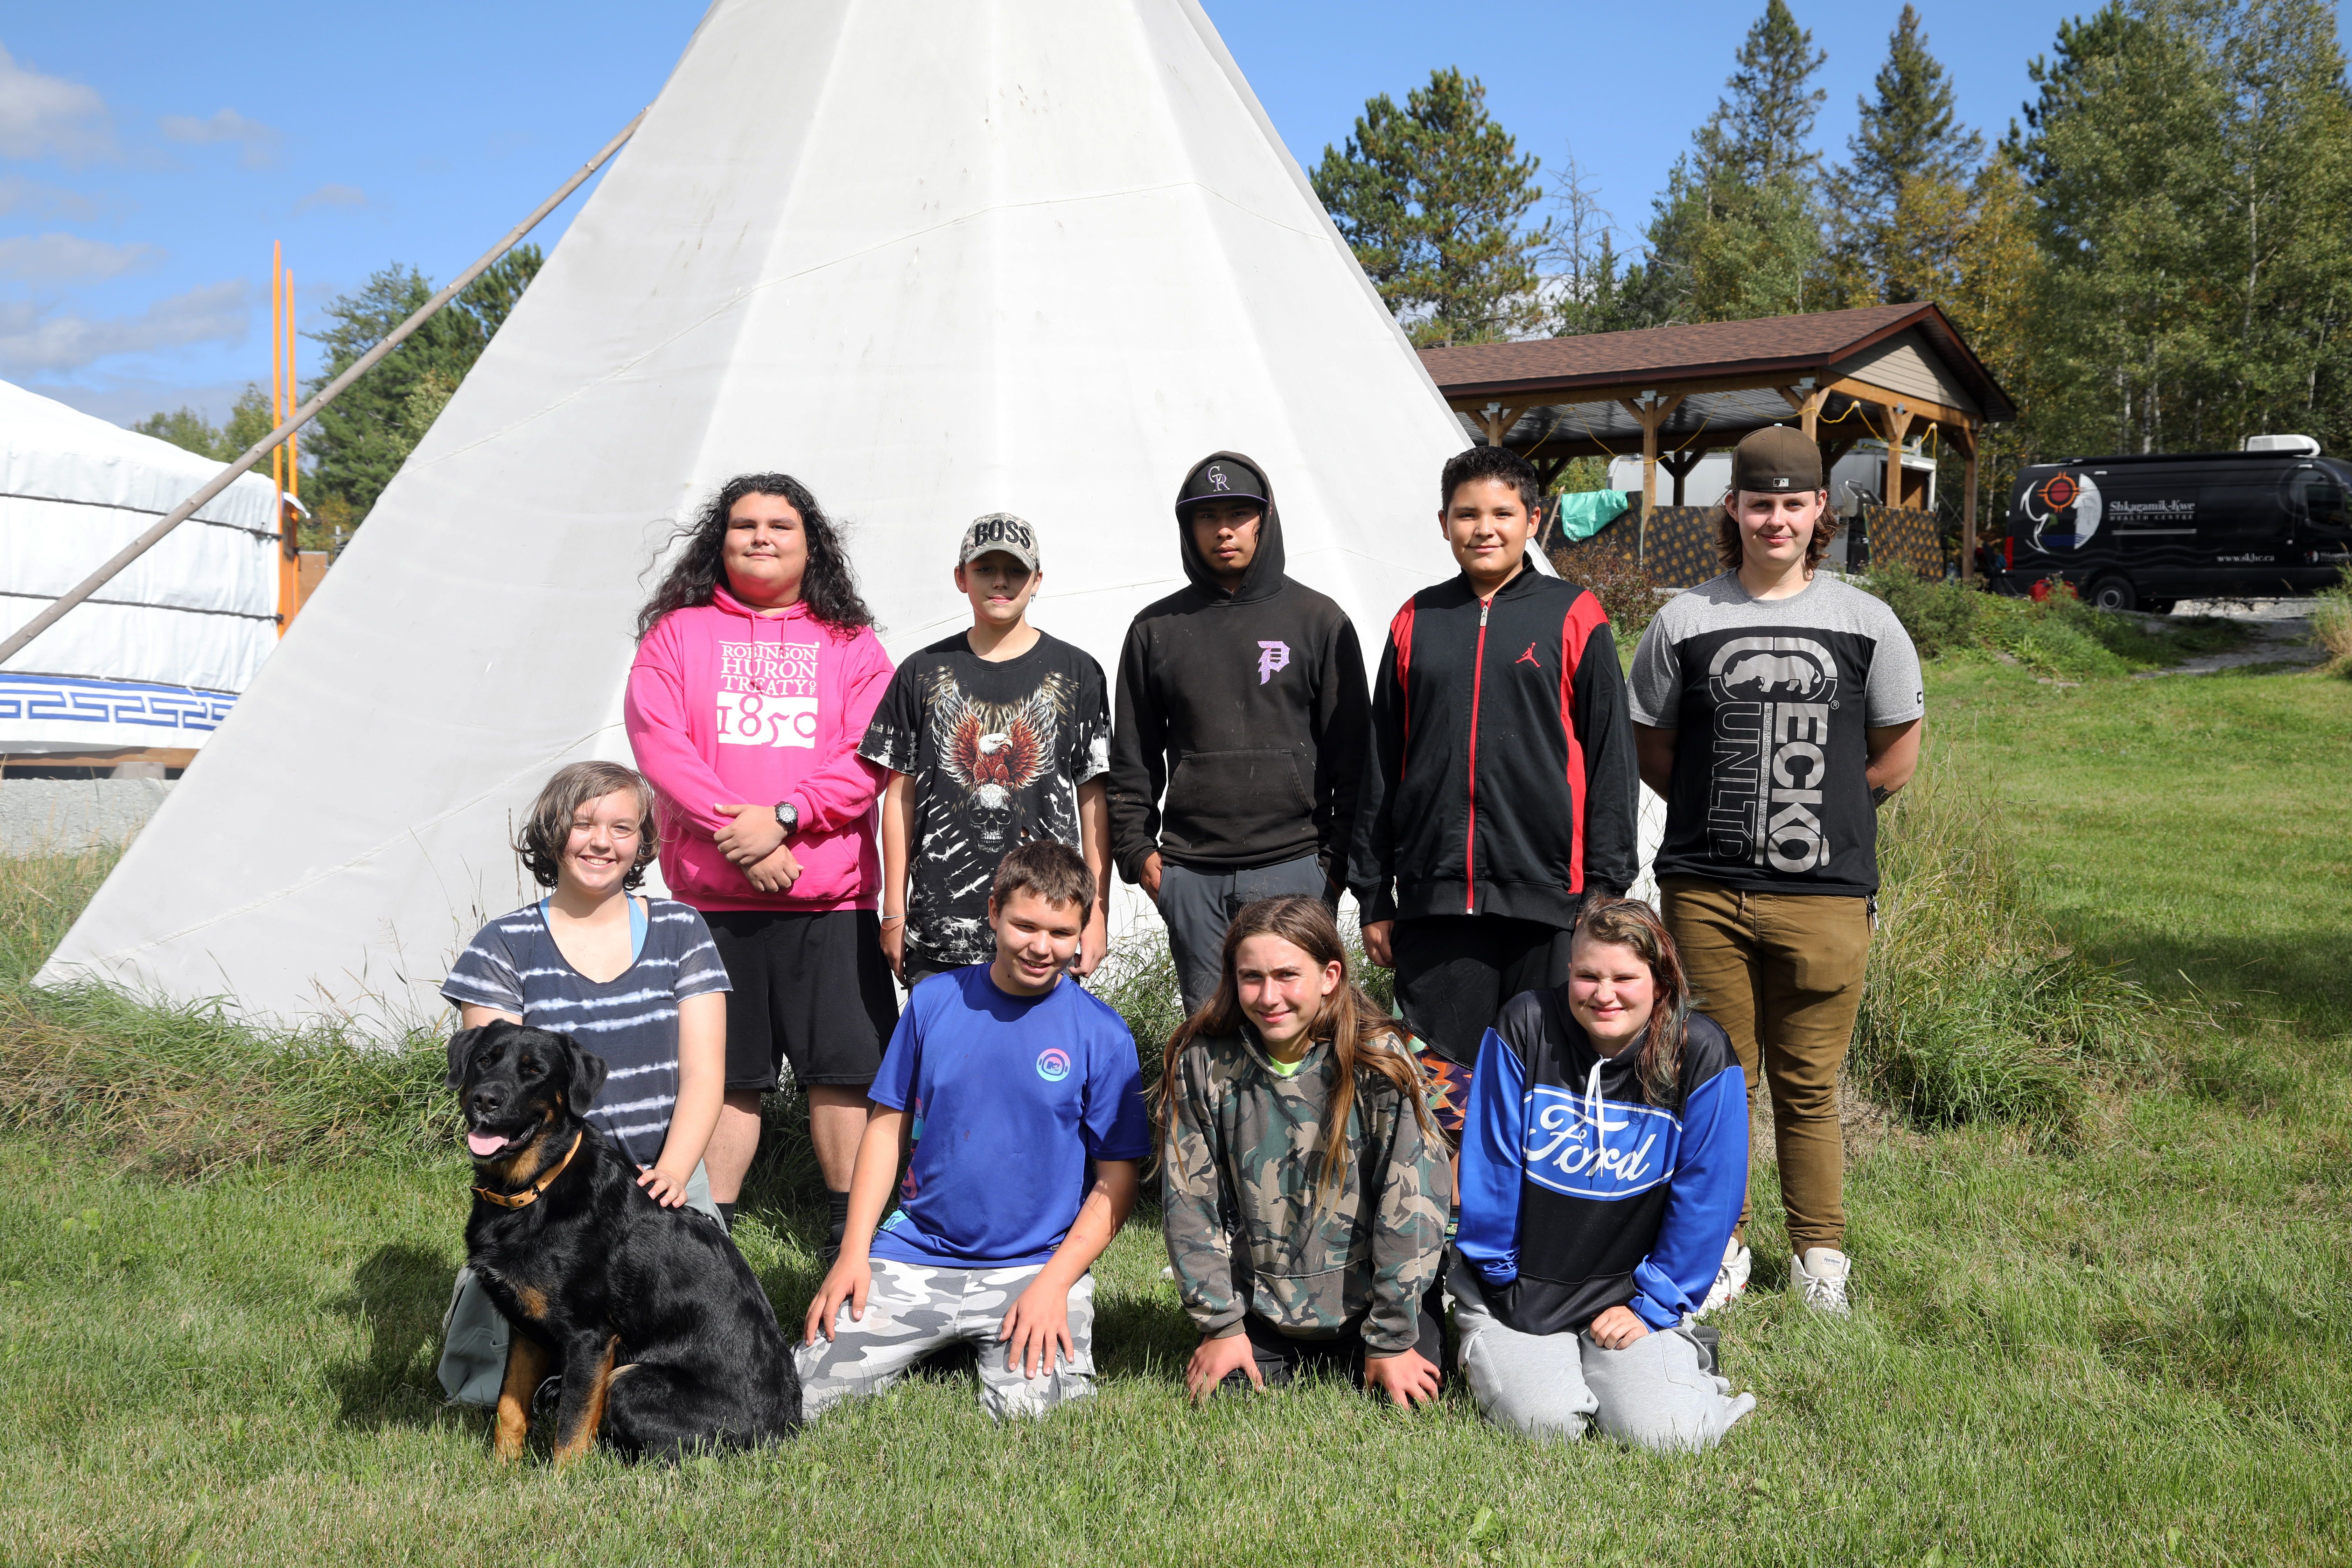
{"points": [[249, 421], [1766, 127], [360, 441], [1431, 199], [2192, 163], [1738, 232], [1908, 133]]}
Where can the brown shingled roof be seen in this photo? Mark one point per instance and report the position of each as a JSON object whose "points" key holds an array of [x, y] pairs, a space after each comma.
{"points": [[1704, 350]]}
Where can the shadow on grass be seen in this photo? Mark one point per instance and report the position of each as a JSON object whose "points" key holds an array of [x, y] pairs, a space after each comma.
{"points": [[398, 1294], [2293, 979]]}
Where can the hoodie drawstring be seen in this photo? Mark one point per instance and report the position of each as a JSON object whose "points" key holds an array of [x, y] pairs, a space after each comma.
{"points": [[1592, 1109]]}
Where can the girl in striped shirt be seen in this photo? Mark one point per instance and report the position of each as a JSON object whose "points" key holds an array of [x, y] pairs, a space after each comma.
{"points": [[635, 980]]}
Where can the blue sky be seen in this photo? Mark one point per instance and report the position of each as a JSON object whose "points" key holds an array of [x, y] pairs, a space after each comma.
{"points": [[150, 154]]}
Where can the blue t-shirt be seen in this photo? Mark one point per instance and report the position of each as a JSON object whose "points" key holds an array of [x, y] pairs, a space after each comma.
{"points": [[1008, 1098]]}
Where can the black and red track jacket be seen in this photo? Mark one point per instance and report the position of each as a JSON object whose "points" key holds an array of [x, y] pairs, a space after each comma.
{"points": [[1502, 778]]}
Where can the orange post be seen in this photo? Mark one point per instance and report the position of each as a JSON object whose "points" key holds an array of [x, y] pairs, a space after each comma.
{"points": [[289, 566]]}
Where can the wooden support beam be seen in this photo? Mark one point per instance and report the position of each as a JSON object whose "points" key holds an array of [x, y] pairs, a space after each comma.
{"points": [[1967, 435], [1806, 406], [1472, 399], [1499, 418], [1898, 417], [1651, 416], [1680, 464], [1887, 397]]}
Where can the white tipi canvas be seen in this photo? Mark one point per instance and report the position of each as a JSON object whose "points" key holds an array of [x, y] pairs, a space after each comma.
{"points": [[935, 259]]}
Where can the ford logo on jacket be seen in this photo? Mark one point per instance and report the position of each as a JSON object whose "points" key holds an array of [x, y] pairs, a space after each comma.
{"points": [[1580, 1192]]}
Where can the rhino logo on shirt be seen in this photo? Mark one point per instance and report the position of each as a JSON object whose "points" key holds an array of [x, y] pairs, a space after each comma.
{"points": [[1767, 673]]}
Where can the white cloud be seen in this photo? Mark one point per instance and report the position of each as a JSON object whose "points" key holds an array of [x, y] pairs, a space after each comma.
{"points": [[126, 400], [34, 341], [44, 115], [69, 259], [38, 200], [258, 143], [333, 196]]}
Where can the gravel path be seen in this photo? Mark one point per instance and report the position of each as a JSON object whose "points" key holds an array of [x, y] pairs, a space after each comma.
{"points": [[2282, 629]]}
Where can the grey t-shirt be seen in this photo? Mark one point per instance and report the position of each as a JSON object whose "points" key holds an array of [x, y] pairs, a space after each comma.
{"points": [[1771, 698], [631, 1020]]}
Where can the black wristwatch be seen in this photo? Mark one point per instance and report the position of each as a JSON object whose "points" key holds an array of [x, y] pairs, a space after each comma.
{"points": [[788, 817]]}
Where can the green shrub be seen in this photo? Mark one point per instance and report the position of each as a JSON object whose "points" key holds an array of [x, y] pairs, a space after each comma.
{"points": [[1972, 1011], [1628, 593], [1942, 617], [2063, 637]]}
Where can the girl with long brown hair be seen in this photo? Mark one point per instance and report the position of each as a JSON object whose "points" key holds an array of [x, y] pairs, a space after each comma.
{"points": [[1604, 1159], [1304, 1188]]}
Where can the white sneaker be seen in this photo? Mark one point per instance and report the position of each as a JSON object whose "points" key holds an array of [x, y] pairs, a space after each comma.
{"points": [[1730, 1280], [1823, 1273]]}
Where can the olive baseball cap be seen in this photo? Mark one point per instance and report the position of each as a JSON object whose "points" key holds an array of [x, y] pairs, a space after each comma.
{"points": [[1776, 459], [999, 531]]}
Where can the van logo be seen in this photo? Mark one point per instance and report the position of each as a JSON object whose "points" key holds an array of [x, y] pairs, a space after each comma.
{"points": [[2048, 504]]}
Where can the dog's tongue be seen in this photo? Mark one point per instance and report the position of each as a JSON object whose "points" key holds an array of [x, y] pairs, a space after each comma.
{"points": [[485, 1144]]}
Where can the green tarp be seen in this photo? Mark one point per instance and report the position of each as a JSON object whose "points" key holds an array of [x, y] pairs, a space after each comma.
{"points": [[1585, 513]]}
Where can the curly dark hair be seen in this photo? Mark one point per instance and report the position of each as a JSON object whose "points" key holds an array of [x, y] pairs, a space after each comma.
{"points": [[549, 827], [829, 588]]}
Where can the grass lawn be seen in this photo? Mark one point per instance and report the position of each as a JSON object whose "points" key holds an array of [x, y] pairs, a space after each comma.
{"points": [[2134, 1346]]}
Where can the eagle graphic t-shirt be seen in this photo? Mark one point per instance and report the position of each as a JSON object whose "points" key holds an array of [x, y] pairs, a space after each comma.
{"points": [[1769, 699], [997, 751]]}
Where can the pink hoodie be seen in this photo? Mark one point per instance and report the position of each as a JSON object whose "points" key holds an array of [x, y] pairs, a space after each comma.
{"points": [[725, 705]]}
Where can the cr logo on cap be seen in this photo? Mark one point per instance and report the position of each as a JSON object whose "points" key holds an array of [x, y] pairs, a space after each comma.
{"points": [[1217, 476]]}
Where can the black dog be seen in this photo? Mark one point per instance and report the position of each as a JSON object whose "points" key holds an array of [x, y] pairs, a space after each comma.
{"points": [[664, 1339]]}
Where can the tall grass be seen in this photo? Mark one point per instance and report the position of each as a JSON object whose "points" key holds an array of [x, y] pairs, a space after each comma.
{"points": [[186, 1088], [2331, 624], [1972, 1010]]}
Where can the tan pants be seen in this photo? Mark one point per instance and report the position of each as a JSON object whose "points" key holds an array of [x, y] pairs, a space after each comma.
{"points": [[1783, 973]]}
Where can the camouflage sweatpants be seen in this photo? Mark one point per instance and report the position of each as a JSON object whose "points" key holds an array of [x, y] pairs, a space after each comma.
{"points": [[912, 1311]]}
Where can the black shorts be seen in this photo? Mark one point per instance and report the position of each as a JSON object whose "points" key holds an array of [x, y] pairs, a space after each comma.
{"points": [[812, 991], [1453, 973]]}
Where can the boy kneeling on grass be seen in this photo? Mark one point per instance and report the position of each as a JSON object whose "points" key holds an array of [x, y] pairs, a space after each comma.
{"points": [[1002, 1080], [1292, 1113], [1604, 1160]]}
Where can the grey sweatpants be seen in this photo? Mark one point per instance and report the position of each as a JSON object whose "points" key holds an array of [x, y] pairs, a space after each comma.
{"points": [[1658, 1392], [911, 1312], [1199, 905]]}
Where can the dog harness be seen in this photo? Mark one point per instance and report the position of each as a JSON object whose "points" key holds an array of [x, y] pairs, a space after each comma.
{"points": [[530, 1194]]}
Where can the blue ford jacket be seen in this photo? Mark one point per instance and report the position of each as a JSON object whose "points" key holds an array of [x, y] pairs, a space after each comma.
{"points": [[1579, 1192]]}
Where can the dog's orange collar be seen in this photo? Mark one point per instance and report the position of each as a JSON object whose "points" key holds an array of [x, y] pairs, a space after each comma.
{"points": [[530, 1194]]}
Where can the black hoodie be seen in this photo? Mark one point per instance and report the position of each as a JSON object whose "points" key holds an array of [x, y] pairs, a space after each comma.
{"points": [[1248, 709]]}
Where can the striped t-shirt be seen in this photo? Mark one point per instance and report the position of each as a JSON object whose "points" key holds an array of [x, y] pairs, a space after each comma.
{"points": [[514, 965]]}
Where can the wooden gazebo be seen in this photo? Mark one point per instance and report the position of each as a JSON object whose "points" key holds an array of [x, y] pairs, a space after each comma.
{"points": [[1674, 393]]}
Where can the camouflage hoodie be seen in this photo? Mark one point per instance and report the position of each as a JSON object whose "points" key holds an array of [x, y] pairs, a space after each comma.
{"points": [[1244, 1150]]}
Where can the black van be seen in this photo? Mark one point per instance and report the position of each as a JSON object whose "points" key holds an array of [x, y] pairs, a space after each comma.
{"points": [[2141, 532]]}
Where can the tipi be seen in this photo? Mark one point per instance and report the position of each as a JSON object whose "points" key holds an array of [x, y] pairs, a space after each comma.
{"points": [[937, 260]]}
